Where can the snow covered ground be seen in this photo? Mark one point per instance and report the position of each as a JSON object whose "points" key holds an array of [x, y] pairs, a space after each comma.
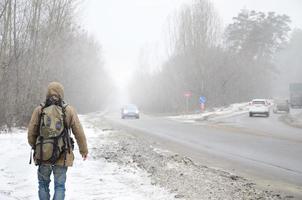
{"points": [[122, 166], [294, 118], [89, 180], [217, 113]]}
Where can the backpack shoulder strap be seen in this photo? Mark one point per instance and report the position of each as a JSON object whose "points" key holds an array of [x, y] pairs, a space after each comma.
{"points": [[42, 105], [64, 106], [67, 135]]}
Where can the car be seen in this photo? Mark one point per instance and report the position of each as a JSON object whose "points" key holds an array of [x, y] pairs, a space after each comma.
{"points": [[259, 106], [281, 105], [130, 110]]}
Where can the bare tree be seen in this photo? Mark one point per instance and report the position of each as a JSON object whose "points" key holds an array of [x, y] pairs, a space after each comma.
{"points": [[200, 60], [39, 43]]}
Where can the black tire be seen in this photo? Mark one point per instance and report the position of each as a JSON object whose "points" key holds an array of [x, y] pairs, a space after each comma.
{"points": [[251, 114], [267, 114]]}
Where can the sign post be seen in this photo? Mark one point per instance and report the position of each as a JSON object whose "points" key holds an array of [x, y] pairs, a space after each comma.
{"points": [[187, 95], [202, 101]]}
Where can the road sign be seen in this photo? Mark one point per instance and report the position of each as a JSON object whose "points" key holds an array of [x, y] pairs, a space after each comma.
{"points": [[188, 94], [202, 107], [202, 100]]}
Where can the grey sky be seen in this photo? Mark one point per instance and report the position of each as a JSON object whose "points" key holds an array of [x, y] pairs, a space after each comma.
{"points": [[124, 26]]}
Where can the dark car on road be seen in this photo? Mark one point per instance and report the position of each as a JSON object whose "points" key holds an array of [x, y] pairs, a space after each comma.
{"points": [[129, 111], [281, 105]]}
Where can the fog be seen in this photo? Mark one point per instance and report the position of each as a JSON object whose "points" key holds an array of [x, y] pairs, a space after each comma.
{"points": [[124, 27], [191, 99], [135, 38], [147, 52]]}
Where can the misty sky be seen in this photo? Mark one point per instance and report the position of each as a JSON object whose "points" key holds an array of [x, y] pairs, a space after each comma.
{"points": [[123, 27]]}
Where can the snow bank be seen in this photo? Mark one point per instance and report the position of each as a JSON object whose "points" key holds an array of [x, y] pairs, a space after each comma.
{"points": [[18, 178], [217, 113], [293, 119], [92, 179], [123, 166]]}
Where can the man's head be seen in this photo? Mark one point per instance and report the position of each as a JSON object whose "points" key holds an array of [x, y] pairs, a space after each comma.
{"points": [[55, 89]]}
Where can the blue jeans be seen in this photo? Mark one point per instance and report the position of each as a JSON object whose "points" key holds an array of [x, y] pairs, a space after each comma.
{"points": [[59, 172]]}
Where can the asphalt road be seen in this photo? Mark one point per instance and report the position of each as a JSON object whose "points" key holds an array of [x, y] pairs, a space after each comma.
{"points": [[262, 149]]}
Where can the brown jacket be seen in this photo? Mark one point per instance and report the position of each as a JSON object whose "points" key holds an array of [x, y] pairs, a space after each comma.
{"points": [[72, 120]]}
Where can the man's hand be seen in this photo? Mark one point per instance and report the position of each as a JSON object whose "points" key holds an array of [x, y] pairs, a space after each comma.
{"points": [[84, 156]]}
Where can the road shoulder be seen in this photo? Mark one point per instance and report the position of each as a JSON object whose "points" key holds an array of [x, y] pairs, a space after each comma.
{"points": [[180, 174], [294, 120]]}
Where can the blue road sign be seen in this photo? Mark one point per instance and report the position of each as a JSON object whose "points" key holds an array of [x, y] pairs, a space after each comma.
{"points": [[202, 99]]}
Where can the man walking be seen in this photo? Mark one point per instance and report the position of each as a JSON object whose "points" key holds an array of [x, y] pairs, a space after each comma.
{"points": [[49, 136]]}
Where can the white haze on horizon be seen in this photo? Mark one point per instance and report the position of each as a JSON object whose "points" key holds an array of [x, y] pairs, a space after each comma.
{"points": [[125, 27]]}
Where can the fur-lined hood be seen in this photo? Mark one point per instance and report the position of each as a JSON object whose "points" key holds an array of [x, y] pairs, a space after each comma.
{"points": [[55, 89]]}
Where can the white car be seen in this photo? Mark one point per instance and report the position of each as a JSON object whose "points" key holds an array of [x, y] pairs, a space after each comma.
{"points": [[129, 110], [259, 106]]}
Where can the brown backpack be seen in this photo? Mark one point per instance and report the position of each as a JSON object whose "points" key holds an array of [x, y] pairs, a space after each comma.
{"points": [[54, 138]]}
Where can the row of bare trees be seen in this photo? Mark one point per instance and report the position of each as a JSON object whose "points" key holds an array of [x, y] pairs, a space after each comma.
{"points": [[288, 62], [226, 65], [40, 42]]}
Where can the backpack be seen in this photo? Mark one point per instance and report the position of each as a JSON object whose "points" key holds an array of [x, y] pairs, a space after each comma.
{"points": [[53, 139]]}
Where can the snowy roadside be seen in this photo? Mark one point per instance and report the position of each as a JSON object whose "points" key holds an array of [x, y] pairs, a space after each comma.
{"points": [[93, 179], [294, 120], [17, 177], [217, 113], [178, 174], [123, 166]]}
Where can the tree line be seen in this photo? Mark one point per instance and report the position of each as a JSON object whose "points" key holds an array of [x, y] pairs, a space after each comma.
{"points": [[289, 64], [40, 42], [226, 65]]}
